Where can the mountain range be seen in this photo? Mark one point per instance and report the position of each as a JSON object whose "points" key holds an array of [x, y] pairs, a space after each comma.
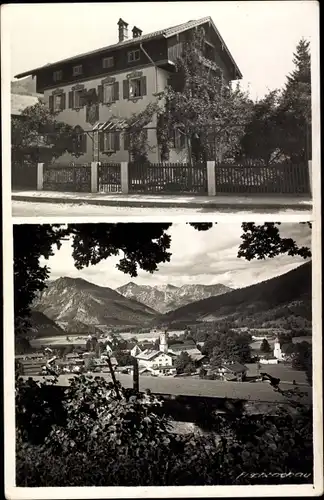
{"points": [[75, 301], [285, 296], [169, 297]]}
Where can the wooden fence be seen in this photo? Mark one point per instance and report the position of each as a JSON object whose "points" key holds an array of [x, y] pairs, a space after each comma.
{"points": [[109, 178], [76, 178], [283, 178], [24, 175], [167, 178]]}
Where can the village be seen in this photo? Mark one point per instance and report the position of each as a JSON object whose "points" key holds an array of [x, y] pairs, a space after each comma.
{"points": [[166, 357]]}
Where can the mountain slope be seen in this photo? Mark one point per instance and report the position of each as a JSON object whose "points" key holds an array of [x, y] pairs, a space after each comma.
{"points": [[24, 86], [76, 300], [289, 293], [42, 326], [169, 297]]}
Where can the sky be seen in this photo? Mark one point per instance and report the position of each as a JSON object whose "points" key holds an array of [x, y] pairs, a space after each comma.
{"points": [[198, 257], [261, 35]]}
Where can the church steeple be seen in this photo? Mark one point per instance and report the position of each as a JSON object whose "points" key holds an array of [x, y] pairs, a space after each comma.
{"points": [[164, 342]]}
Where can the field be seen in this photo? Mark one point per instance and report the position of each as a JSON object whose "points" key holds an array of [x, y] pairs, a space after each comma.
{"points": [[284, 372]]}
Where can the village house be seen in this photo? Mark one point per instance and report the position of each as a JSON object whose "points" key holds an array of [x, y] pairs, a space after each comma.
{"points": [[233, 371], [97, 91]]}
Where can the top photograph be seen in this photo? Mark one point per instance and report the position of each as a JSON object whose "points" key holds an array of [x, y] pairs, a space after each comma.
{"points": [[163, 109]]}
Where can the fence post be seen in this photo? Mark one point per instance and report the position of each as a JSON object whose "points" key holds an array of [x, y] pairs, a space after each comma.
{"points": [[310, 177], [40, 176], [124, 177], [94, 176], [211, 178]]}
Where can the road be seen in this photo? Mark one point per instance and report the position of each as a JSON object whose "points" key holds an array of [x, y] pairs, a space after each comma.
{"points": [[34, 209]]}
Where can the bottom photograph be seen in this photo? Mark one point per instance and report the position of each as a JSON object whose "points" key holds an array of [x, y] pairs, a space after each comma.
{"points": [[160, 354]]}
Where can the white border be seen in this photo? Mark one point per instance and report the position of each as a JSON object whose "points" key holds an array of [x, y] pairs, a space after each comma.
{"points": [[13, 492]]}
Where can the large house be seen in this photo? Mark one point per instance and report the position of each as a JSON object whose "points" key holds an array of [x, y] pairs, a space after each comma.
{"points": [[96, 91]]}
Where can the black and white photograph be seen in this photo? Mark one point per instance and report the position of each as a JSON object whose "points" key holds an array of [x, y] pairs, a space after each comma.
{"points": [[141, 362], [194, 107], [161, 230]]}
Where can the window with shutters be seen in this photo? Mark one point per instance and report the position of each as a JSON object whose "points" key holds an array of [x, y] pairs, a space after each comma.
{"points": [[110, 141], [57, 75], [133, 55], [77, 70], [107, 62], [136, 87]]}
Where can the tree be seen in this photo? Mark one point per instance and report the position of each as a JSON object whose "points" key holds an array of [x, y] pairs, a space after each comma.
{"points": [[296, 105], [302, 359], [197, 105], [231, 349], [265, 346], [280, 124], [144, 246], [123, 357], [37, 134], [184, 363]]}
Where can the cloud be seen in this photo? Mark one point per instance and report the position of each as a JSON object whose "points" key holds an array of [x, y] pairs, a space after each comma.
{"points": [[208, 257]]}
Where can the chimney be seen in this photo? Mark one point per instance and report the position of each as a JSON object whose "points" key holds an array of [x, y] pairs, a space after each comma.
{"points": [[136, 32], [122, 30]]}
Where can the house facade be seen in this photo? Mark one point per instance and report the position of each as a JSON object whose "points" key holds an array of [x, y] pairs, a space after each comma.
{"points": [[97, 91]]}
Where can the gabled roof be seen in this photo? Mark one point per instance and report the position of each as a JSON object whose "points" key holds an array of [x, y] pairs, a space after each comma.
{"points": [[164, 33], [235, 367]]}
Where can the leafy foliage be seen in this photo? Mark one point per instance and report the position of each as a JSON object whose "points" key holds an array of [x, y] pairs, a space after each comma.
{"points": [[184, 363], [265, 346], [279, 127], [37, 132], [94, 439]]}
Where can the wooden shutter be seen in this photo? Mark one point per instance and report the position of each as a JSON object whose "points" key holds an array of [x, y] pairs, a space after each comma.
{"points": [[126, 141], [116, 91], [71, 99], [63, 101], [143, 85], [126, 89], [51, 103], [117, 141], [84, 143], [101, 141], [100, 93]]}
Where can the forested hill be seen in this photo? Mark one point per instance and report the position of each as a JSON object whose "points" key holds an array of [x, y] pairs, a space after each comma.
{"points": [[275, 299]]}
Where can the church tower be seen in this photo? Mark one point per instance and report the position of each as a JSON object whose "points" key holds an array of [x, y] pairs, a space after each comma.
{"points": [[164, 342], [277, 350]]}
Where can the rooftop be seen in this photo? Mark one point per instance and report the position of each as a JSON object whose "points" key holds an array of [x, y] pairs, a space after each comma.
{"points": [[163, 33], [183, 386], [235, 367]]}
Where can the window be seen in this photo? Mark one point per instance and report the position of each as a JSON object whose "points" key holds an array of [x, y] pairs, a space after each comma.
{"points": [[110, 141], [57, 75], [58, 102], [78, 98], [133, 55], [77, 70], [108, 93], [135, 88], [107, 62]]}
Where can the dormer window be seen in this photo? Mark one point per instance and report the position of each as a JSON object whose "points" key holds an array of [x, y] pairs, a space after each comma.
{"points": [[77, 70], [57, 75], [133, 55]]}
